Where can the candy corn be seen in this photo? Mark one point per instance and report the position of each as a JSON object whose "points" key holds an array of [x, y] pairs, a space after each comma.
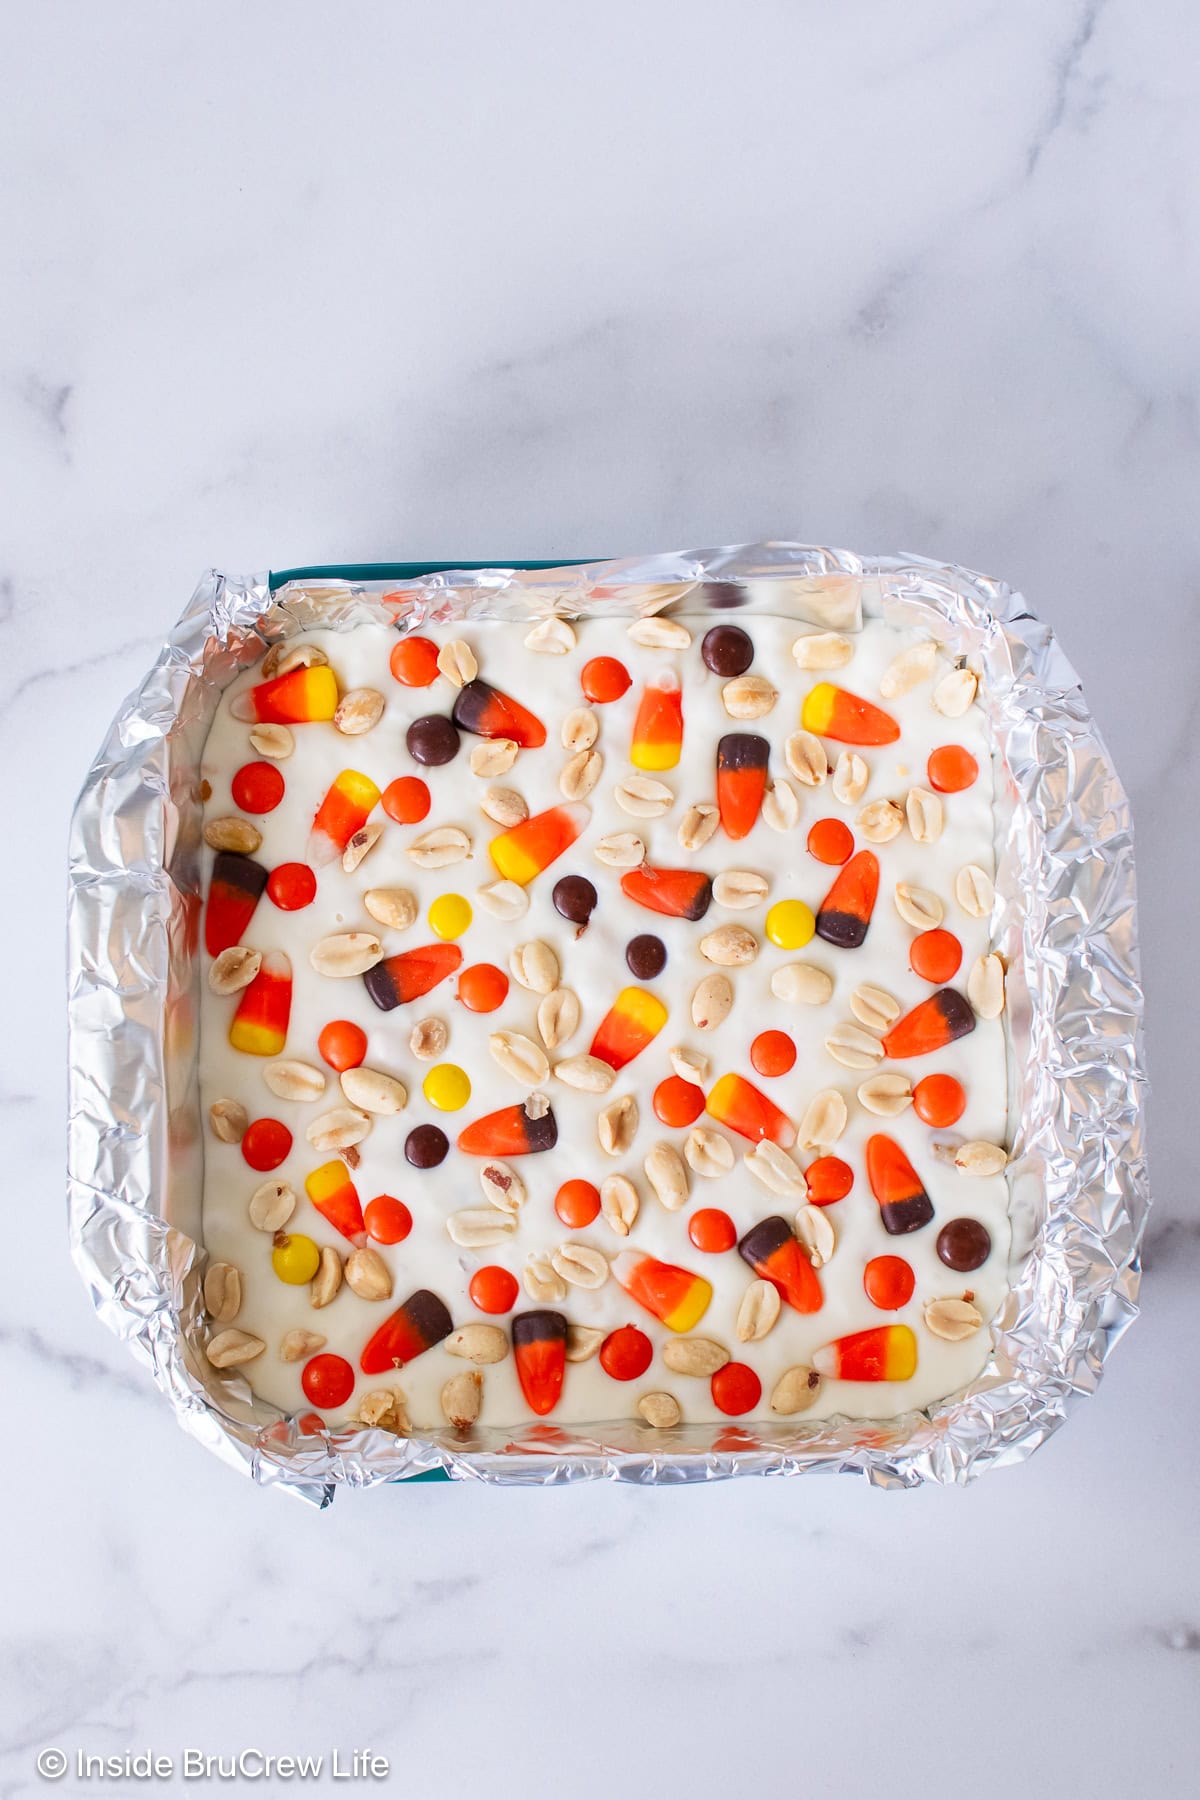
{"points": [[903, 1203], [741, 780], [833, 712], [298, 698], [234, 892], [634, 1020], [513, 1131], [930, 1026], [421, 1322], [680, 893], [260, 1024], [658, 728], [773, 1251], [344, 810], [533, 845], [540, 1353], [676, 1296], [336, 1199], [485, 711], [410, 973], [738, 1104], [846, 909], [884, 1353]]}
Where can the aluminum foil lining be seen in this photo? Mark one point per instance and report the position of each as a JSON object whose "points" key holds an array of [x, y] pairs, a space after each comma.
{"points": [[1064, 923]]}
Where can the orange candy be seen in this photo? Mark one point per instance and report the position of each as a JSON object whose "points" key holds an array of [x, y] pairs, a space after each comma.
{"points": [[266, 1143], [257, 787], [773, 1053], [387, 1219], [888, 1282], [577, 1204], [712, 1230], [603, 679], [413, 662], [951, 769], [939, 1100], [406, 800], [829, 1180], [935, 956], [735, 1389], [678, 1102], [291, 886], [342, 1044], [493, 1289], [831, 841], [483, 987], [626, 1353]]}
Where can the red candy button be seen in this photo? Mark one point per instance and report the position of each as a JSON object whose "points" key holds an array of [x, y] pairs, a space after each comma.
{"points": [[292, 886], [577, 1204], [626, 1353], [773, 1053], [678, 1102], [735, 1389], [951, 769], [493, 1289], [888, 1282], [327, 1380], [266, 1144], [387, 1219], [342, 1044], [939, 1100], [406, 800], [483, 987], [413, 661], [831, 841], [604, 679], [935, 956], [257, 787], [712, 1230], [829, 1180]]}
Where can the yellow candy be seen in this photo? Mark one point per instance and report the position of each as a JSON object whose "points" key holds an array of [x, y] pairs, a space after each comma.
{"points": [[447, 1087], [449, 915], [790, 924], [295, 1259]]}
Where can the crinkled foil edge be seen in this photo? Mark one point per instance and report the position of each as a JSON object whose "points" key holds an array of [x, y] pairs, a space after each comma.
{"points": [[1065, 923]]}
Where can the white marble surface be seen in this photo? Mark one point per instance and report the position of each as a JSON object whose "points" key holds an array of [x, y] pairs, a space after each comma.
{"points": [[293, 283]]}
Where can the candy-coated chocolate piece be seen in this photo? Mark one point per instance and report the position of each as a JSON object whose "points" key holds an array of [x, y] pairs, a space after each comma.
{"points": [[645, 956], [773, 1053], [450, 915], [829, 1180], [410, 973], [260, 1024], [727, 650], [432, 740], [298, 698], [407, 800], [831, 841], [834, 712], [658, 728], [295, 1258], [447, 1087], [512, 1131], [343, 1044], [266, 1143], [678, 1102], [903, 1203], [336, 1199], [412, 1329], [626, 1353], [676, 1296], [482, 988], [939, 1100], [738, 1104], [577, 1204], [930, 1026], [951, 769], [741, 780], [888, 1282], [790, 924], [291, 886], [884, 1353], [634, 1020], [327, 1380], [485, 712], [257, 787], [426, 1146], [387, 1219], [712, 1230], [773, 1251], [964, 1244], [735, 1389], [539, 1342], [347, 806], [845, 912], [414, 662], [234, 892], [604, 679], [935, 955], [679, 893], [493, 1289], [575, 899], [535, 843]]}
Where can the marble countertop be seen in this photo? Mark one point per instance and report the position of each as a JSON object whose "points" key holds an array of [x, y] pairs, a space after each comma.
{"points": [[296, 284]]}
